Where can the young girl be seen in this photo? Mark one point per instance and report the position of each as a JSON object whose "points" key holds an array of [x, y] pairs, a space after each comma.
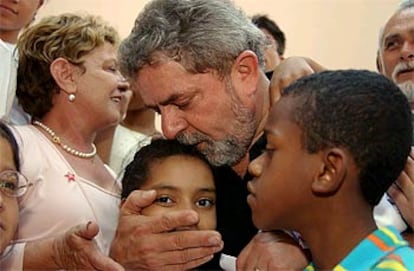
{"points": [[182, 178], [12, 185]]}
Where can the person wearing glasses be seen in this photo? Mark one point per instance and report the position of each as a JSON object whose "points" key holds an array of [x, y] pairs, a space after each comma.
{"points": [[12, 185]]}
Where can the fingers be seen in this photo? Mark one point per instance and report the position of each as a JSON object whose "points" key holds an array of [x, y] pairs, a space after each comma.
{"points": [[397, 195], [173, 220], [405, 183], [88, 231], [136, 201], [409, 166], [180, 250], [101, 262], [287, 72], [177, 259], [194, 239], [271, 251]]}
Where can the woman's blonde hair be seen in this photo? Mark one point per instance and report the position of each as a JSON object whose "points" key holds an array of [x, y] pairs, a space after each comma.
{"points": [[70, 36]]}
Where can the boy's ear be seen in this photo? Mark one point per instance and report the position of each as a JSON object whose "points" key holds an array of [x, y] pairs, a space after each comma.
{"points": [[245, 72], [64, 74], [332, 172]]}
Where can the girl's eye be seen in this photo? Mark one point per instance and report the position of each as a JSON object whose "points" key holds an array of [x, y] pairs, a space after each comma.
{"points": [[205, 203], [8, 185], [164, 200]]}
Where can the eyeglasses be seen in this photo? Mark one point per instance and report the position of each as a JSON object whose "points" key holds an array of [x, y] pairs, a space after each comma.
{"points": [[13, 184]]}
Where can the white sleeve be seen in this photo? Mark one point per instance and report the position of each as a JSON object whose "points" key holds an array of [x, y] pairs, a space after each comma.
{"points": [[8, 78], [12, 258], [386, 213]]}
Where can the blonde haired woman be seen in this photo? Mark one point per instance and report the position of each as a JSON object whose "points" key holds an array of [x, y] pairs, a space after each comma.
{"points": [[69, 83]]}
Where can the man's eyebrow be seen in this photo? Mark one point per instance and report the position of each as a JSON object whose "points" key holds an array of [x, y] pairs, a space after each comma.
{"points": [[170, 99]]}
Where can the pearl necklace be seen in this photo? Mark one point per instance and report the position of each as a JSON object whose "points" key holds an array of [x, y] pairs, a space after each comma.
{"points": [[56, 140]]}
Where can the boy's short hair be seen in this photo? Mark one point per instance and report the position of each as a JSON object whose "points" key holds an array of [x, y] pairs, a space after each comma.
{"points": [[137, 171], [361, 111]]}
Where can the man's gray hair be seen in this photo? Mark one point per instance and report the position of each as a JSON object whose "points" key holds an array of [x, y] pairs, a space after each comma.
{"points": [[199, 34], [404, 5]]}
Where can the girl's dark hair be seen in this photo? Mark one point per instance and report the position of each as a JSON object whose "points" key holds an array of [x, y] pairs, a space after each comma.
{"points": [[137, 171], [7, 134]]}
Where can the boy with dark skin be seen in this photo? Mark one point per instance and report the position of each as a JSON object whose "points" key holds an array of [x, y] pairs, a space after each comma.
{"points": [[336, 141]]}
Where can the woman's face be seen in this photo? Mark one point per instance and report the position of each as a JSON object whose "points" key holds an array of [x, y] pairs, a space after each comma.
{"points": [[9, 211], [101, 90]]}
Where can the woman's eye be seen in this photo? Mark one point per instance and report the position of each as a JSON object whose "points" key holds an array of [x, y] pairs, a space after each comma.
{"points": [[205, 203]]}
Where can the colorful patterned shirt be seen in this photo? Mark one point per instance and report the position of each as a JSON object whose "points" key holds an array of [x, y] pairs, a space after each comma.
{"points": [[384, 249]]}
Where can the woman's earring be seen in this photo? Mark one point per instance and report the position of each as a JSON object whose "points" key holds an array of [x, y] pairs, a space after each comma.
{"points": [[71, 97]]}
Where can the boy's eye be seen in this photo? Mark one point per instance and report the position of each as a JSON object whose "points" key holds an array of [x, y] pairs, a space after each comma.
{"points": [[205, 203]]}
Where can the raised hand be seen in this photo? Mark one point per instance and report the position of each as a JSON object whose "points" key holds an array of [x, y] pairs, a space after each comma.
{"points": [[150, 243]]}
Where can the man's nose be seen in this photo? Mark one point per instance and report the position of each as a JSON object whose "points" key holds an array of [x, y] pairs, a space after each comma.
{"points": [[407, 50], [172, 122]]}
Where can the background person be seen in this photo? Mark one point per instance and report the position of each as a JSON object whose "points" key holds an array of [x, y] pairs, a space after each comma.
{"points": [[12, 185], [276, 42], [134, 132], [14, 16], [396, 61]]}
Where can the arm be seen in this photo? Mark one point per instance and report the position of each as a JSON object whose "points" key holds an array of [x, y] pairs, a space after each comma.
{"points": [[75, 249], [150, 243], [272, 251], [402, 192]]}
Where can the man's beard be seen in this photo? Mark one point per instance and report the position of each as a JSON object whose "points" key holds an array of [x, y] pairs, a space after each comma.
{"points": [[406, 87], [235, 145]]}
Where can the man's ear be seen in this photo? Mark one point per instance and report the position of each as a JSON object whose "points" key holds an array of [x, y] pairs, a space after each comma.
{"points": [[64, 73], [332, 172], [245, 72], [378, 62]]}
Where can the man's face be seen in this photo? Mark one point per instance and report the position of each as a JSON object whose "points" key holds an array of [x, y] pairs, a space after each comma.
{"points": [[396, 55], [199, 109]]}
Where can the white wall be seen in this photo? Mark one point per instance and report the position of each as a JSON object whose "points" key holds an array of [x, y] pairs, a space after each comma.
{"points": [[339, 34], [336, 33]]}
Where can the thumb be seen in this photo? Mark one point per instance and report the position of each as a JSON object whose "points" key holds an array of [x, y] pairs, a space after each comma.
{"points": [[137, 200], [88, 231]]}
